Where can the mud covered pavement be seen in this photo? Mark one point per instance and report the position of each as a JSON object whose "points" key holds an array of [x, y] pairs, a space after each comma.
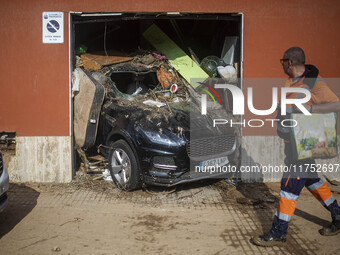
{"points": [[94, 217]]}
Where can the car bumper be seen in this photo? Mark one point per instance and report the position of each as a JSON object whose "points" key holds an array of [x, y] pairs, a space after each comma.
{"points": [[4, 186], [185, 178], [181, 170]]}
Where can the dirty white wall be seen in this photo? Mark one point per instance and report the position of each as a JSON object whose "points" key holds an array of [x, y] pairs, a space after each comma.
{"points": [[42, 159], [269, 150]]}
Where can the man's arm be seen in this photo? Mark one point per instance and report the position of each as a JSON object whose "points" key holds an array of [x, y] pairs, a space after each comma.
{"points": [[324, 108]]}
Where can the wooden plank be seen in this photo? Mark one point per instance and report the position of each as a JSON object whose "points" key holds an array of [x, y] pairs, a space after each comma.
{"points": [[87, 106], [96, 62]]}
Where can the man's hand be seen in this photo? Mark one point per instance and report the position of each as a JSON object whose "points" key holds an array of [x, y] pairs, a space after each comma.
{"points": [[326, 108], [320, 108], [297, 110]]}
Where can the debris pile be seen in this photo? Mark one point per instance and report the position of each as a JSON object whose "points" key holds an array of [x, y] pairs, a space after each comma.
{"points": [[154, 87], [96, 166], [148, 75], [160, 77]]}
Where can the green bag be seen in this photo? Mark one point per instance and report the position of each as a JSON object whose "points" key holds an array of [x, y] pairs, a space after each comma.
{"points": [[314, 136]]}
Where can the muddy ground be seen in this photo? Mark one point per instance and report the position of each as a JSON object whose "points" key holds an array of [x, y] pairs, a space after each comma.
{"points": [[211, 217]]}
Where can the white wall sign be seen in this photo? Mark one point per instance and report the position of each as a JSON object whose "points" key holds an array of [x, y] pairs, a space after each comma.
{"points": [[53, 27]]}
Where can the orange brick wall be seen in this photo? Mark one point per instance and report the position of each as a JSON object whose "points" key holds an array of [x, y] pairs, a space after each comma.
{"points": [[34, 77]]}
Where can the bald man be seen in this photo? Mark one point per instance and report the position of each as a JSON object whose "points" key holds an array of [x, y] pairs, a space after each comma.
{"points": [[323, 100]]}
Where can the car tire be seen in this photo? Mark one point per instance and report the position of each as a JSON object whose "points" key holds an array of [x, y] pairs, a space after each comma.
{"points": [[123, 166]]}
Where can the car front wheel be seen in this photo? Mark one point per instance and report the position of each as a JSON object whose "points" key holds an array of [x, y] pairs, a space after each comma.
{"points": [[123, 166]]}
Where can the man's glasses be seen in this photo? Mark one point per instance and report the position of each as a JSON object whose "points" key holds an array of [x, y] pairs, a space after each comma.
{"points": [[282, 60]]}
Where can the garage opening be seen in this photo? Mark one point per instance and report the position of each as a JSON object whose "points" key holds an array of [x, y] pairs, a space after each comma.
{"points": [[203, 33], [130, 40]]}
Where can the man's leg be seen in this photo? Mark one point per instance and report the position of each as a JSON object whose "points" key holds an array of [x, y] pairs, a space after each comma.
{"points": [[321, 192], [291, 186]]}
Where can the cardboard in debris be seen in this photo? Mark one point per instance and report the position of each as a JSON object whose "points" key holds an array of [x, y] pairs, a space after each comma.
{"points": [[191, 72]]}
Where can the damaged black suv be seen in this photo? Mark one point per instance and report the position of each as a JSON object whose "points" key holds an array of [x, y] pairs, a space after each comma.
{"points": [[158, 145], [150, 126]]}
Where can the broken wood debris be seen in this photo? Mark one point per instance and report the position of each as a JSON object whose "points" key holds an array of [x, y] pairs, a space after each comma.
{"points": [[96, 61], [93, 165], [96, 157]]}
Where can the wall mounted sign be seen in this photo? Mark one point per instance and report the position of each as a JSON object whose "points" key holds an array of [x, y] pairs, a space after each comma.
{"points": [[53, 27]]}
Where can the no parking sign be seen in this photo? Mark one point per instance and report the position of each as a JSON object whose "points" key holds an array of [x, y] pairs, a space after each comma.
{"points": [[53, 27]]}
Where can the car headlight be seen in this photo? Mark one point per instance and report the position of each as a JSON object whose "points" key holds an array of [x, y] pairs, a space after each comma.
{"points": [[159, 138]]}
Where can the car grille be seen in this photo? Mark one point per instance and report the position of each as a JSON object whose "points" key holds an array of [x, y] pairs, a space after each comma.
{"points": [[1, 164], [211, 146]]}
